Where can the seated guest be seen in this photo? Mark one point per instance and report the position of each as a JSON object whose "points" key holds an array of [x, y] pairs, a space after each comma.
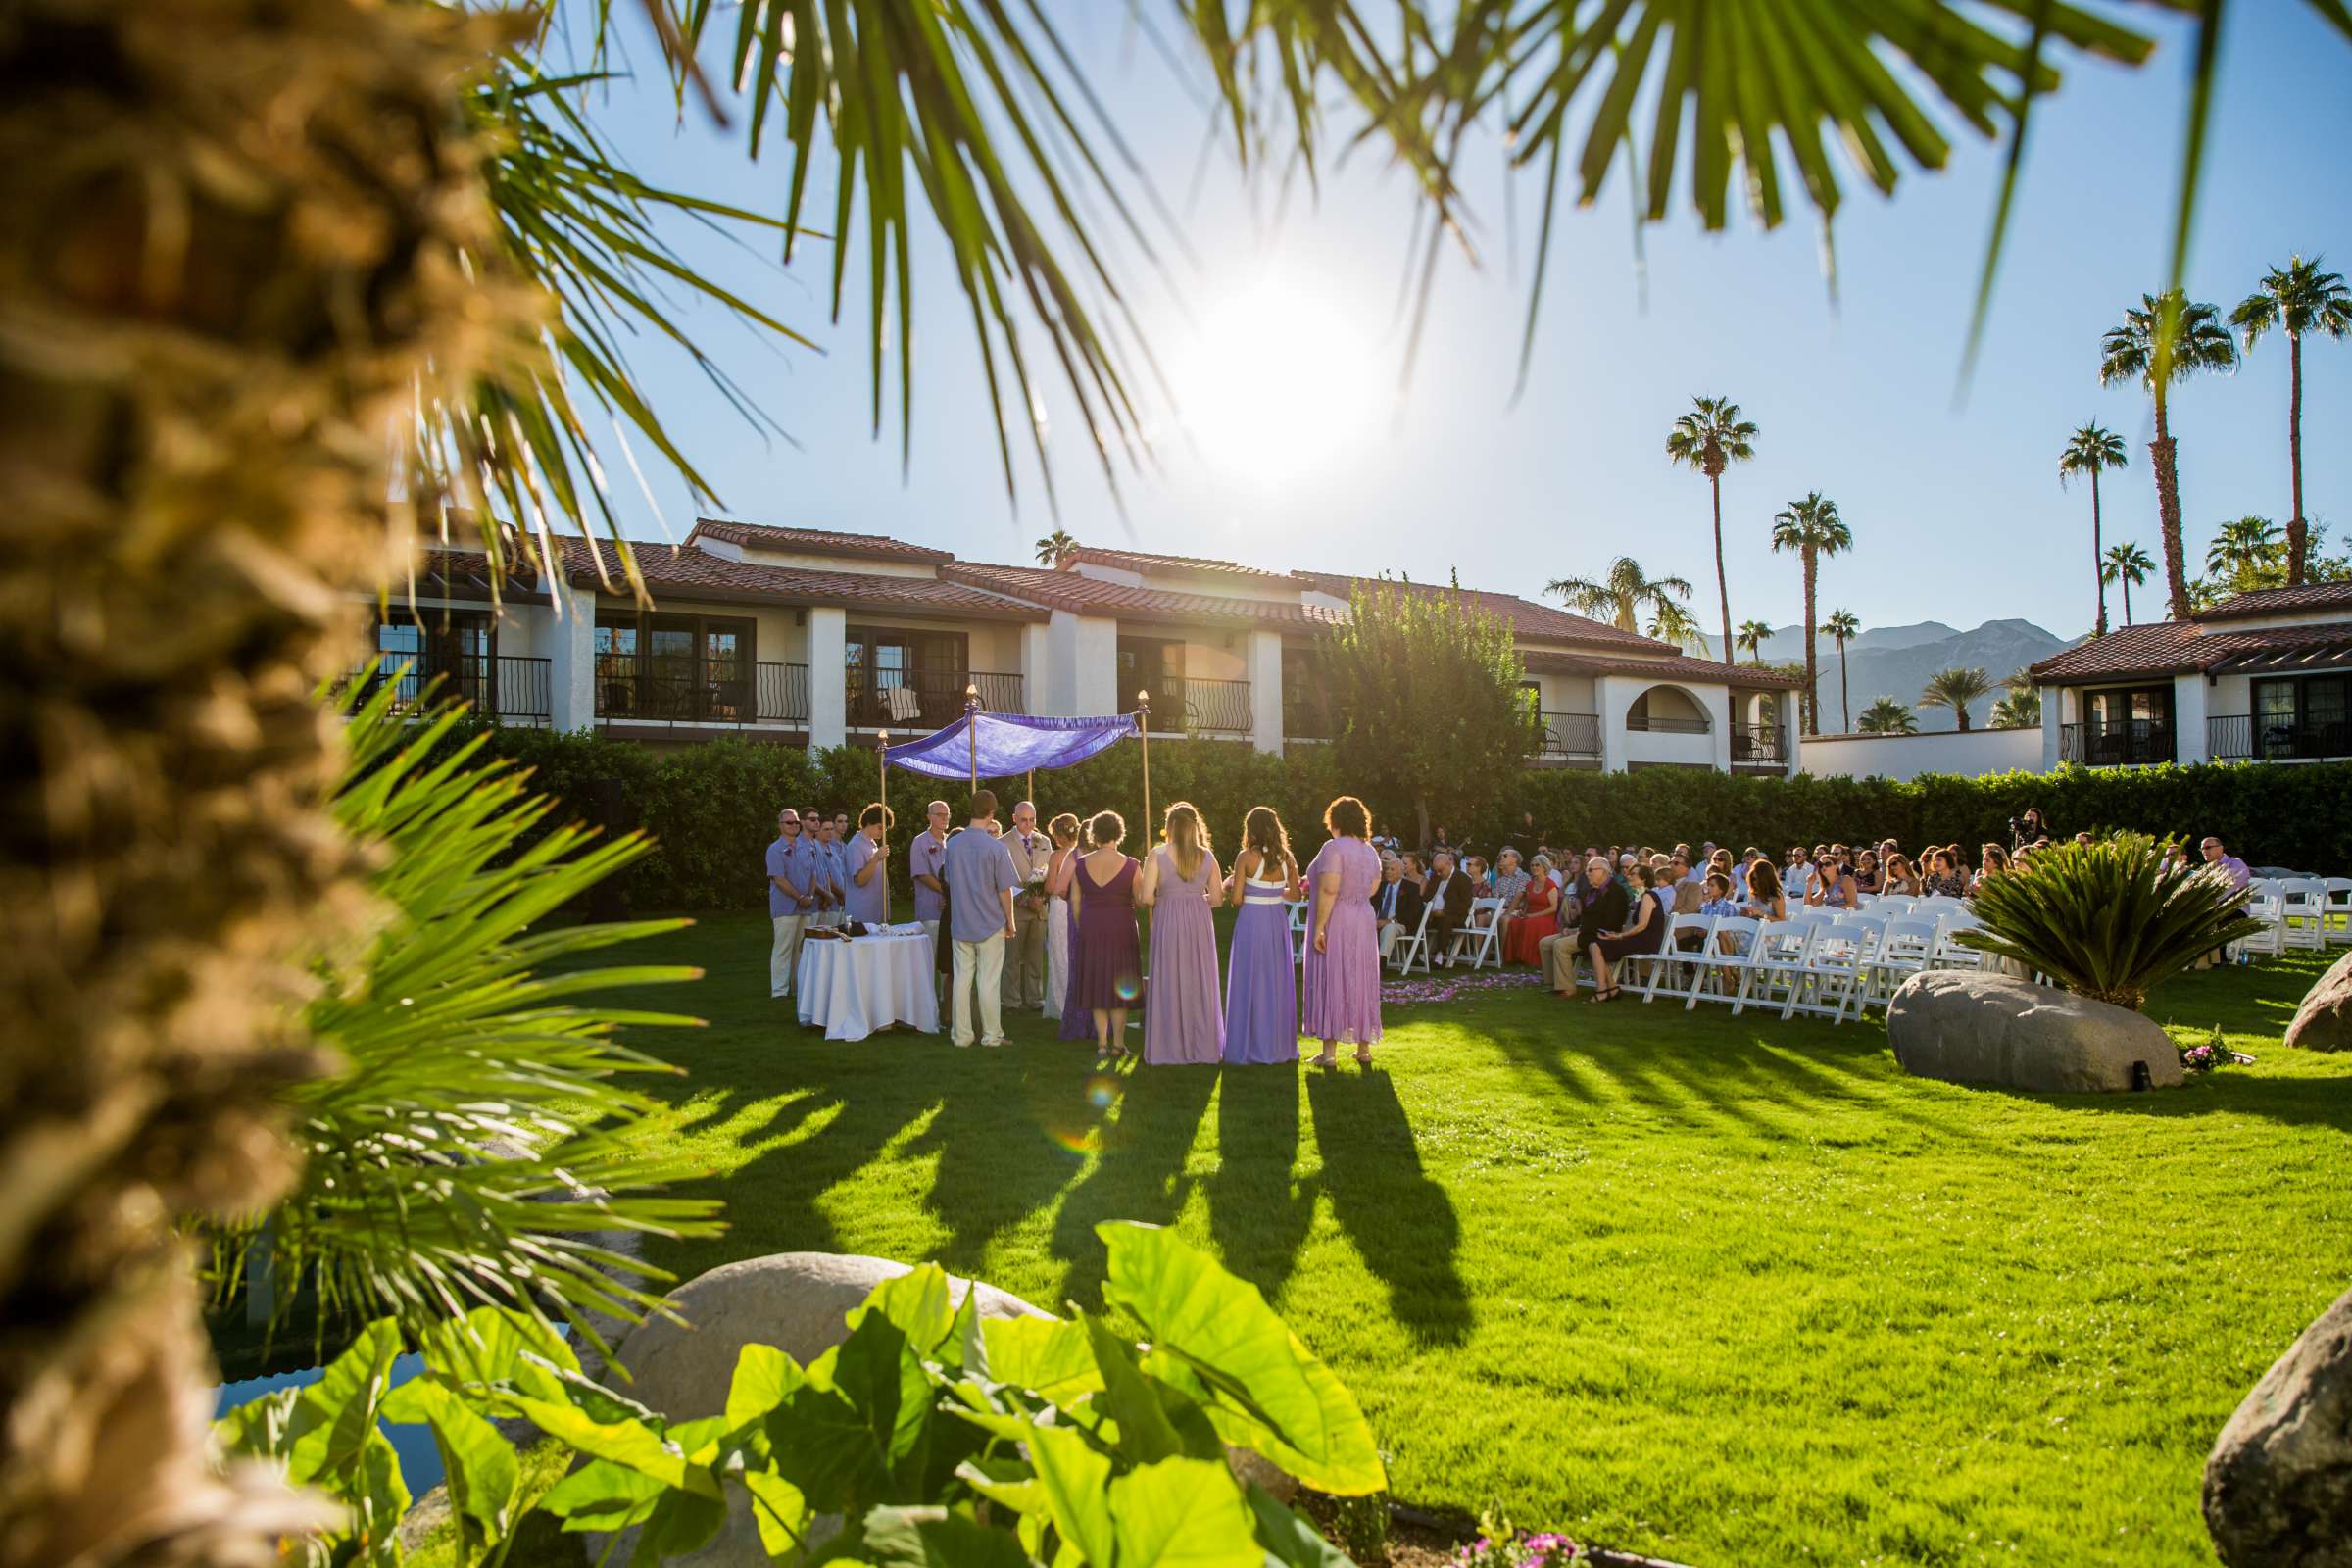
{"points": [[1943, 880], [1385, 840], [1866, 871], [1644, 933], [1396, 904], [1511, 882], [1601, 905], [1439, 842], [1898, 879], [1448, 897], [1719, 897], [1992, 860], [1534, 917], [1833, 886], [1797, 873]]}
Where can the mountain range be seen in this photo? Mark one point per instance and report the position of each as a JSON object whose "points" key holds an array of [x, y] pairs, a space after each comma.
{"points": [[1897, 661]]}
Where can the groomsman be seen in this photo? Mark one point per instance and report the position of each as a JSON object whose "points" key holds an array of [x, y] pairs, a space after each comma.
{"points": [[836, 858], [927, 868], [1026, 950], [980, 888], [792, 873]]}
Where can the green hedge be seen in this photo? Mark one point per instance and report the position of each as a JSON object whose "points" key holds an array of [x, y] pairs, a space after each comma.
{"points": [[712, 807]]}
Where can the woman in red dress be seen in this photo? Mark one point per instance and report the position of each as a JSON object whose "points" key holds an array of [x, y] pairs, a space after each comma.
{"points": [[1538, 916]]}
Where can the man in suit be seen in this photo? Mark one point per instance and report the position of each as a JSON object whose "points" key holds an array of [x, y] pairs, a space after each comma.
{"points": [[1601, 905], [1025, 952], [1395, 904], [1449, 896]]}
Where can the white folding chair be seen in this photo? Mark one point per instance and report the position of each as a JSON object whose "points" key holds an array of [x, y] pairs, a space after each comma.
{"points": [[2271, 940], [1833, 969], [1776, 967], [2337, 907], [1413, 949], [1904, 947], [1950, 952], [1724, 961], [1675, 969], [1485, 941], [2302, 914]]}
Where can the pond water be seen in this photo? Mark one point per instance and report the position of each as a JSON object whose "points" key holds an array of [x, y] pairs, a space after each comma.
{"points": [[419, 1459]]}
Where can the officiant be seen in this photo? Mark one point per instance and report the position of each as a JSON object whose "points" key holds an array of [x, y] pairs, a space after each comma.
{"points": [[1025, 955]]}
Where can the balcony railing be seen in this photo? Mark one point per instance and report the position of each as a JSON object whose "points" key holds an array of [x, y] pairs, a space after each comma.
{"points": [[1569, 735], [770, 694], [511, 688], [925, 699], [1667, 726], [2117, 744], [2241, 737], [1760, 746], [1181, 704]]}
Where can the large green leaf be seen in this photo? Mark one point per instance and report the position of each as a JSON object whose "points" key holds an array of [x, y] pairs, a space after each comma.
{"points": [[1154, 1421], [936, 1537], [1076, 1482], [1052, 1357], [602, 1496], [1182, 1513], [336, 1417], [1267, 1391], [482, 1471], [1289, 1537]]}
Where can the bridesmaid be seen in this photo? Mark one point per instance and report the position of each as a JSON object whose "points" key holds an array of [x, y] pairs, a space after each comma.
{"points": [[1181, 887], [1261, 988], [1341, 981], [1105, 965], [1063, 830]]}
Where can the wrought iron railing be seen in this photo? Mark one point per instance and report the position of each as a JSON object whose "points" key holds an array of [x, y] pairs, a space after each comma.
{"points": [[1569, 735], [2117, 744], [511, 688], [1759, 746], [924, 698], [1183, 704], [663, 693], [1667, 726], [2241, 737]]}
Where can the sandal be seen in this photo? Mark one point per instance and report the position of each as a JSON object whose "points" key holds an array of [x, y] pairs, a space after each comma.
{"points": [[1363, 1058], [1600, 996], [1324, 1060]]}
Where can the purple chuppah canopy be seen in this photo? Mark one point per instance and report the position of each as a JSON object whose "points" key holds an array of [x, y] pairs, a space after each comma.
{"points": [[1009, 744]]}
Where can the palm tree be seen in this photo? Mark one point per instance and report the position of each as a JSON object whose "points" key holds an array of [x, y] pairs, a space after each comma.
{"points": [[1842, 627], [1955, 688], [1670, 623], [1621, 594], [1813, 529], [1055, 548], [2020, 706], [2129, 565], [2295, 299], [1710, 437], [2181, 337], [1887, 716], [1751, 637], [2091, 450], [2240, 548]]}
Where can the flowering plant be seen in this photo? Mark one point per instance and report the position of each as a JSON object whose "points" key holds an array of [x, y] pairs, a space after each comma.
{"points": [[1501, 1546], [2214, 1053]]}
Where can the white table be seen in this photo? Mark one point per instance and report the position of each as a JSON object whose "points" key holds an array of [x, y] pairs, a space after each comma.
{"points": [[861, 984]]}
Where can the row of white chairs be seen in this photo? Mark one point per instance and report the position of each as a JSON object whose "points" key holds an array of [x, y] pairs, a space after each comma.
{"points": [[2299, 914], [1833, 964]]}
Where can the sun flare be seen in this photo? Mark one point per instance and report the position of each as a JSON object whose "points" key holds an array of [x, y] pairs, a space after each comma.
{"points": [[1278, 384]]}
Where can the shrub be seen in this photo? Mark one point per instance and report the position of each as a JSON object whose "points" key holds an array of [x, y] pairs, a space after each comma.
{"points": [[2107, 919]]}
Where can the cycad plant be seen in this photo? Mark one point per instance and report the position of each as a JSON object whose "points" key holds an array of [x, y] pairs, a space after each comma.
{"points": [[2107, 919]]}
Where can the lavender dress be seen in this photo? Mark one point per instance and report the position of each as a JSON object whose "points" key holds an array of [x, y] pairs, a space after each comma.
{"points": [[1104, 957], [1339, 986], [1181, 1020], [1261, 987]]}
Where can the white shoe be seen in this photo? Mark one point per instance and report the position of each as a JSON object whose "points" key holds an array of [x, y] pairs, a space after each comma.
{"points": [[997, 1041], [964, 1045]]}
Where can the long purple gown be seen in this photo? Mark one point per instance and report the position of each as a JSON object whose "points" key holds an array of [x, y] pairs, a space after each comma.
{"points": [[1339, 986], [1105, 959], [1182, 1023], [1261, 986]]}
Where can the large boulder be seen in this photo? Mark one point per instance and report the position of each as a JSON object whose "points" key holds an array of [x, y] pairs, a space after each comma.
{"points": [[2324, 1020], [1967, 1026], [2278, 1486]]}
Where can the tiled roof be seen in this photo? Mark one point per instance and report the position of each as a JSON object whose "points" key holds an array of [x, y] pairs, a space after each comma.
{"points": [[1091, 595], [2281, 601], [1674, 666], [700, 574], [1150, 564], [2176, 648], [466, 574], [815, 541], [1530, 621]]}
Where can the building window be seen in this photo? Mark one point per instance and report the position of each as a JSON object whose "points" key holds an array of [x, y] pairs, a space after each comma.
{"points": [[2127, 724], [2304, 717], [675, 666], [898, 677], [458, 648]]}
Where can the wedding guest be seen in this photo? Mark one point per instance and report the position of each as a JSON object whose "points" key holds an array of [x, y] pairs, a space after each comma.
{"points": [[1719, 897], [1899, 880], [791, 895], [1943, 880], [1511, 882], [1538, 918], [2222, 860], [1797, 876], [1339, 982], [926, 867], [1603, 906], [1105, 959], [1449, 896], [981, 884], [1991, 860], [1261, 983], [1384, 839], [1832, 885], [869, 897], [1025, 950], [1645, 933], [1063, 831], [1866, 871], [1180, 885], [1395, 904]]}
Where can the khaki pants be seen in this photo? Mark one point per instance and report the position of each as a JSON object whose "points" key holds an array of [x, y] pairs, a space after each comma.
{"points": [[1555, 957], [979, 965], [785, 956], [1024, 979]]}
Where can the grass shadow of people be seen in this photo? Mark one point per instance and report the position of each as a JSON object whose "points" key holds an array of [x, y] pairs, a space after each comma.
{"points": [[1138, 1174], [1259, 1208], [1402, 1222]]}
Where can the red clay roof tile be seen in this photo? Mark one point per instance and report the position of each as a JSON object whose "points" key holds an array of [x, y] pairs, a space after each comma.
{"points": [[815, 541], [696, 572]]}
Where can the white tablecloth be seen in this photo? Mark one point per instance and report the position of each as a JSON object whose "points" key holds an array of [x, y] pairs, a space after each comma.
{"points": [[863, 984]]}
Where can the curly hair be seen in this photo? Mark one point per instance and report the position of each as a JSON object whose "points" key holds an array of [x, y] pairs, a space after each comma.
{"points": [[1347, 818]]}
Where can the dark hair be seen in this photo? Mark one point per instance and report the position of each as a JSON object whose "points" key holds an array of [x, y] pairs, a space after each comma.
{"points": [[1106, 829], [1262, 831], [1347, 818], [1716, 879], [877, 812], [984, 804], [1763, 882], [1642, 874]]}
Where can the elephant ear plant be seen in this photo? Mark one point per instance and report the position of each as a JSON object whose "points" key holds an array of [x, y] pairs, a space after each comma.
{"points": [[2107, 919], [935, 1436]]}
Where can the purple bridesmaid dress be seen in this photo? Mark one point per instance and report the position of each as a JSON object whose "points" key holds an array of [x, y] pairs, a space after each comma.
{"points": [[1261, 986], [1339, 986], [1181, 1020]]}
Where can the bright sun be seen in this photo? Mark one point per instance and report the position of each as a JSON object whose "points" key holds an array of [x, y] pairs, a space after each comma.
{"points": [[1277, 384]]}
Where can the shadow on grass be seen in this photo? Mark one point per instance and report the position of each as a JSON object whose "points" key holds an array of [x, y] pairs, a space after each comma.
{"points": [[1260, 1212], [1140, 1174], [1402, 1223]]}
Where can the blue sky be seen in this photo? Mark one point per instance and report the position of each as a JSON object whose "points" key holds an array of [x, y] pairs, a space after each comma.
{"points": [[1301, 452]]}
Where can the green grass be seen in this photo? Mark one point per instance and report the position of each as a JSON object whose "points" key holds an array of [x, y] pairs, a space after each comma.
{"points": [[1725, 1290]]}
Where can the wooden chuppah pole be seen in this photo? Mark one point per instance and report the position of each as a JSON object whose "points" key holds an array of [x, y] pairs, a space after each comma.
{"points": [[1143, 726], [882, 785], [971, 730]]}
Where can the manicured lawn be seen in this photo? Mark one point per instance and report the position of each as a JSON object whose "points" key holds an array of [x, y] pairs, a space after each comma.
{"points": [[1727, 1290]]}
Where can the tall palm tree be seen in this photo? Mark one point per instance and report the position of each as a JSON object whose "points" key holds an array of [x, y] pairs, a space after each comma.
{"points": [[1842, 629], [1751, 636], [1670, 623], [1955, 688], [2181, 337], [2089, 450], [1055, 548], [1887, 716], [2295, 299], [2241, 547], [2020, 706], [1709, 438], [1619, 595], [1813, 529], [2129, 564]]}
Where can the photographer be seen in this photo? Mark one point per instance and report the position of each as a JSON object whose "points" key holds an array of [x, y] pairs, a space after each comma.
{"points": [[2026, 830]]}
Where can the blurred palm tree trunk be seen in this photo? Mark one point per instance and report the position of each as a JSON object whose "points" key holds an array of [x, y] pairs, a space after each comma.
{"points": [[228, 237]]}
